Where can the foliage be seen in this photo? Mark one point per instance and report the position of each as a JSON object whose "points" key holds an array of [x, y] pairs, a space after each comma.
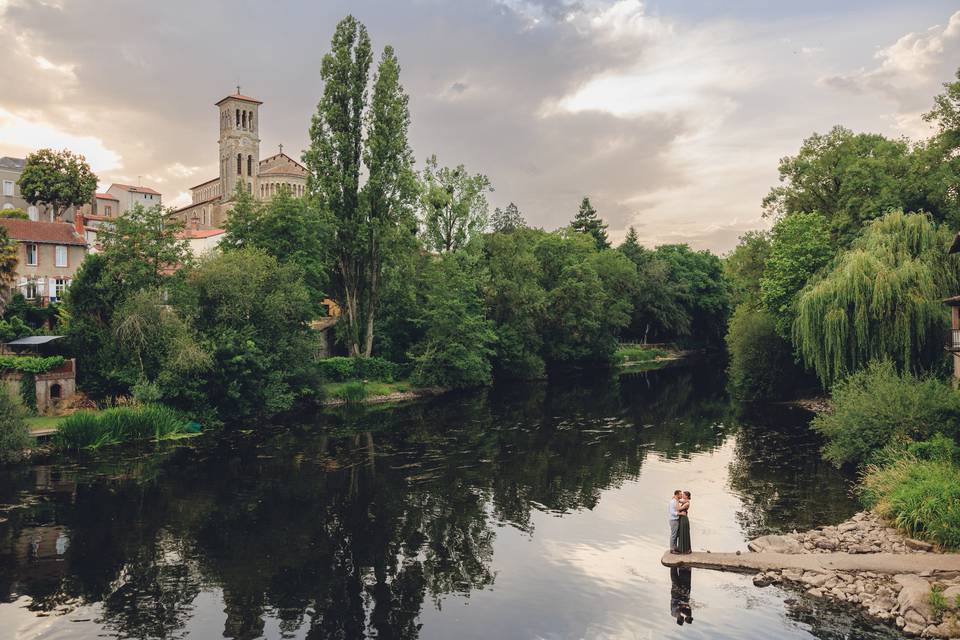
{"points": [[507, 220], [919, 496], [57, 179], [700, 290], [250, 314], [799, 247], [457, 345], [8, 266], [143, 247], [454, 205], [880, 300], [946, 107], [744, 267], [515, 302], [16, 214], [28, 391], [936, 161], [587, 221], [761, 362], [30, 364], [287, 229], [366, 225], [847, 178], [88, 429], [876, 405], [14, 432], [354, 392], [340, 369], [13, 327]]}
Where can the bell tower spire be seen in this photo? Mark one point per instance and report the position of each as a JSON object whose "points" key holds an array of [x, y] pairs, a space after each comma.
{"points": [[239, 143]]}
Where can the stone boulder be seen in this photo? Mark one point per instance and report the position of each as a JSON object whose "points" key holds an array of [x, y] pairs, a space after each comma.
{"points": [[914, 600], [775, 544]]}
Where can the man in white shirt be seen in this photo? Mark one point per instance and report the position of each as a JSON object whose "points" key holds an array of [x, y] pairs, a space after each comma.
{"points": [[674, 521]]}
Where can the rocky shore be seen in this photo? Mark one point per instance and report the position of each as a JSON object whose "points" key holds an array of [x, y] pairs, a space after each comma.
{"points": [[925, 604]]}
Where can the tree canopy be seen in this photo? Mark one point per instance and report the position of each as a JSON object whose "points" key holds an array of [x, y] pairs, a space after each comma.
{"points": [[57, 180], [454, 205], [880, 300], [587, 221]]}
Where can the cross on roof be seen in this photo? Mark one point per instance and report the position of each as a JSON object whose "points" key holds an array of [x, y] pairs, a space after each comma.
{"points": [[281, 147]]}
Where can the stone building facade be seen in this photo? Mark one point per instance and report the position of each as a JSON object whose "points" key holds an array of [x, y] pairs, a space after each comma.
{"points": [[48, 256], [240, 164]]}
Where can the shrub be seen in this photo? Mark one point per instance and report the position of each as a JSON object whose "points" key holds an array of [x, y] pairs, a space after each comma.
{"points": [[86, 429], [30, 364], [354, 392], [14, 433], [877, 405], [340, 369], [921, 497], [761, 361]]}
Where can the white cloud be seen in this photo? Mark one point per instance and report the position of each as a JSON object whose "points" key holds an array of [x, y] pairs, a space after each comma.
{"points": [[909, 70], [22, 134]]}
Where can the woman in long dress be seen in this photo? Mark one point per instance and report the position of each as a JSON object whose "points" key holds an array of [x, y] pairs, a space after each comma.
{"points": [[683, 544]]}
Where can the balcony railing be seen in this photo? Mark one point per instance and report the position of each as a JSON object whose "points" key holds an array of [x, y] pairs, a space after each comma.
{"points": [[952, 341]]}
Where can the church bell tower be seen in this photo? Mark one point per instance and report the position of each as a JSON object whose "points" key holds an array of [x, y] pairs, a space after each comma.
{"points": [[239, 143]]}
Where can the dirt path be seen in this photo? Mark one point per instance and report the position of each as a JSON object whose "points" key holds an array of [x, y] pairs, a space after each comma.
{"points": [[888, 563]]}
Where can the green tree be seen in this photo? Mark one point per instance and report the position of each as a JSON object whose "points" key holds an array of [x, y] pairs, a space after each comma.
{"points": [[761, 362], [506, 220], [14, 433], [391, 188], [744, 266], [701, 290], [368, 223], [936, 161], [454, 205], [8, 267], [159, 356], [334, 159], [632, 248], [287, 229], [458, 339], [57, 180], [880, 300], [847, 178], [515, 302], [587, 221], [251, 313], [144, 247], [16, 214], [799, 247]]}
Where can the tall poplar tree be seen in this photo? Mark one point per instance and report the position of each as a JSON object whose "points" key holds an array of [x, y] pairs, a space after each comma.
{"points": [[365, 220]]}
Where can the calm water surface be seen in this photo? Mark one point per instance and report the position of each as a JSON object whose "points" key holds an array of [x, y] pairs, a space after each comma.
{"points": [[535, 511]]}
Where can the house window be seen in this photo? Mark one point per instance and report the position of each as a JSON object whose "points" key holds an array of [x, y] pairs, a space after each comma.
{"points": [[59, 285], [30, 291], [32, 255], [33, 213], [8, 187], [108, 210], [61, 256]]}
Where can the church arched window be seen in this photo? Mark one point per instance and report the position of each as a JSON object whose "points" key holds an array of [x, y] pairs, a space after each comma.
{"points": [[239, 164], [238, 118], [244, 119], [249, 165]]}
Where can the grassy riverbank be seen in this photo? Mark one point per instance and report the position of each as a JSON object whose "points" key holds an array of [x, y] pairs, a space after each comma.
{"points": [[901, 432], [636, 354]]}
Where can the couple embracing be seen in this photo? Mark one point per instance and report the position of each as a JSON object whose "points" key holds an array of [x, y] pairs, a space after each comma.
{"points": [[680, 522]]}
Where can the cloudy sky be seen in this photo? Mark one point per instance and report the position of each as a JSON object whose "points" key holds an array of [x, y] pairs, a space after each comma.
{"points": [[670, 114]]}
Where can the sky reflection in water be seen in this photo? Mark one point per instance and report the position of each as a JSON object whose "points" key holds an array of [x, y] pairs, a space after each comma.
{"points": [[536, 511]]}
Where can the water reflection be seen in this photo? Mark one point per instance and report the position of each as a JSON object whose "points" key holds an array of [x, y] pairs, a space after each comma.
{"points": [[375, 523], [680, 608]]}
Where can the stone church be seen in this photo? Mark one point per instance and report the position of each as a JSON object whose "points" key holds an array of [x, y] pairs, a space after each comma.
{"points": [[240, 164]]}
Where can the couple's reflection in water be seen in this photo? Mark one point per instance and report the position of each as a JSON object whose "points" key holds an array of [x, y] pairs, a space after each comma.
{"points": [[680, 608]]}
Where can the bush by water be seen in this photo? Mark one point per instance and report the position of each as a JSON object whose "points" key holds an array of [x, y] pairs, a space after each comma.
{"points": [[88, 429]]}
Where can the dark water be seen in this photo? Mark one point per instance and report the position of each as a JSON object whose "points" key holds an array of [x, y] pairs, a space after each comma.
{"points": [[536, 512]]}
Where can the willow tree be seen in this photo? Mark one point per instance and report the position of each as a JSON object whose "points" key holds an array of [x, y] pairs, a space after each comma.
{"points": [[880, 300]]}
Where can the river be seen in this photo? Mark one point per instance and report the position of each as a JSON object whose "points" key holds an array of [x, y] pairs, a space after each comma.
{"points": [[531, 511]]}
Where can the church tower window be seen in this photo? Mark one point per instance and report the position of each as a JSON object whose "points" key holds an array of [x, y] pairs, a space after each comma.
{"points": [[238, 118], [249, 165], [239, 164]]}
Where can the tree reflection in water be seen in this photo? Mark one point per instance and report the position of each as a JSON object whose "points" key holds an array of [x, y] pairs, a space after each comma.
{"points": [[346, 527]]}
